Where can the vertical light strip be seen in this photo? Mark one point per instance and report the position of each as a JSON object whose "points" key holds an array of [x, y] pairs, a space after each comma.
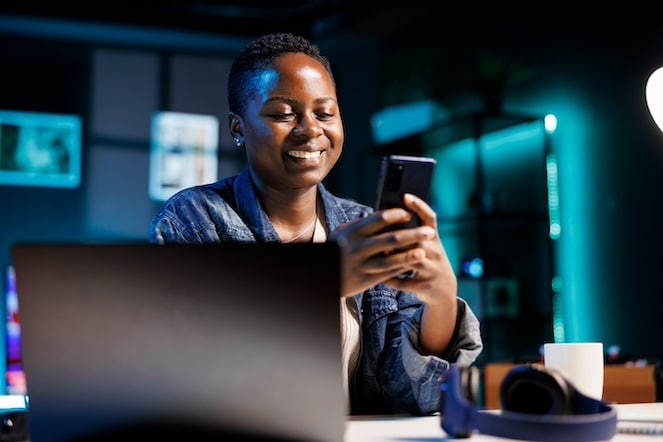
{"points": [[559, 334], [554, 230], [554, 224]]}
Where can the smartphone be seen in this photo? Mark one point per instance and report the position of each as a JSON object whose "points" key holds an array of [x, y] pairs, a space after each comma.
{"points": [[400, 174]]}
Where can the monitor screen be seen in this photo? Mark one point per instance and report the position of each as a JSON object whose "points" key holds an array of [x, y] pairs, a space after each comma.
{"points": [[40, 149]]}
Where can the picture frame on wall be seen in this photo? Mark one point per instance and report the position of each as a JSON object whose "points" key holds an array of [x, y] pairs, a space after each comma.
{"points": [[184, 152], [40, 149]]}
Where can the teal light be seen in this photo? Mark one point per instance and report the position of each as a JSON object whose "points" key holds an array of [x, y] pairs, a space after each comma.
{"points": [[556, 284], [519, 136], [473, 267], [576, 316], [550, 123], [555, 225], [554, 229], [394, 122], [557, 309]]}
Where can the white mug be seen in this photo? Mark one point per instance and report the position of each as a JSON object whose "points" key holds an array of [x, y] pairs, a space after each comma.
{"points": [[581, 363]]}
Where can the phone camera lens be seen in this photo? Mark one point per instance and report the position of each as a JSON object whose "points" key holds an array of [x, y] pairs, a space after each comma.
{"points": [[394, 177]]}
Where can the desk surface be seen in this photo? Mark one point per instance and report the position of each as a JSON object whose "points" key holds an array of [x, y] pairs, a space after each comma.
{"points": [[417, 429]]}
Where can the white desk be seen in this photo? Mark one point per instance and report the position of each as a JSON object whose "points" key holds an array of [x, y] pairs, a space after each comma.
{"points": [[427, 428]]}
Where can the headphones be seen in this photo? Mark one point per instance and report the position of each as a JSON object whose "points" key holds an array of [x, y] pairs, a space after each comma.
{"points": [[537, 404]]}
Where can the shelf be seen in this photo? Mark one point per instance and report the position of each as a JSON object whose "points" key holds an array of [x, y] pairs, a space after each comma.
{"points": [[453, 129]]}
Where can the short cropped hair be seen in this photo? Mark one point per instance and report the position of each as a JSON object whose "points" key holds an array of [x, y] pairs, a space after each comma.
{"points": [[256, 56]]}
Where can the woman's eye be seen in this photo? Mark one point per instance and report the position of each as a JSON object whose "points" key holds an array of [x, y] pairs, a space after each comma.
{"points": [[325, 116], [283, 116]]}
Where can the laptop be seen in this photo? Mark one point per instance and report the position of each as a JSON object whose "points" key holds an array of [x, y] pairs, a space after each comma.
{"points": [[203, 342]]}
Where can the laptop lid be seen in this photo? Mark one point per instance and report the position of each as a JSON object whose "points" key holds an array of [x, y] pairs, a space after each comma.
{"points": [[232, 339]]}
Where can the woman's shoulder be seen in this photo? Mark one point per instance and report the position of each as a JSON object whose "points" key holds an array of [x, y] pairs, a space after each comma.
{"points": [[204, 194], [350, 207], [354, 206]]}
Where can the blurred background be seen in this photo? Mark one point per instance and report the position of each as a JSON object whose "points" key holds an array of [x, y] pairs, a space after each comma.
{"points": [[549, 164]]}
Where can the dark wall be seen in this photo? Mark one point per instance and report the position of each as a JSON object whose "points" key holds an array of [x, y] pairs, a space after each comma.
{"points": [[41, 76]]}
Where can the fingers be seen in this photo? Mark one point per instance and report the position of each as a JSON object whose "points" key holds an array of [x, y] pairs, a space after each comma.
{"points": [[383, 219], [373, 223], [365, 236], [372, 255], [421, 208], [400, 263], [380, 220], [364, 233], [432, 279]]}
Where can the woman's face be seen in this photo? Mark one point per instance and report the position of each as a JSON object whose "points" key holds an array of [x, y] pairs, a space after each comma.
{"points": [[292, 126]]}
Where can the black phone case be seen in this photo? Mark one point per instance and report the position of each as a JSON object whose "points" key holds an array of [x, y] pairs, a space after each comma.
{"points": [[400, 174]]}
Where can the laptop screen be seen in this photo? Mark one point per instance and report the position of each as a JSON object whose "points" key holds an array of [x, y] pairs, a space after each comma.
{"points": [[240, 338]]}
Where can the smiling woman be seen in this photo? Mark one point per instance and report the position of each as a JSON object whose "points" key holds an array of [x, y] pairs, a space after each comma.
{"points": [[285, 114]]}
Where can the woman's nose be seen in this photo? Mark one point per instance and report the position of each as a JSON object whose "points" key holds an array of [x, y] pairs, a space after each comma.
{"points": [[307, 126]]}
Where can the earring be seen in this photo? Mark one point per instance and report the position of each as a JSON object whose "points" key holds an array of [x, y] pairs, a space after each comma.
{"points": [[238, 141]]}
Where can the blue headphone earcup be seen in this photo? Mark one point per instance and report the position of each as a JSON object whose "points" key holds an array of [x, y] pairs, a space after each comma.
{"points": [[535, 389], [469, 378]]}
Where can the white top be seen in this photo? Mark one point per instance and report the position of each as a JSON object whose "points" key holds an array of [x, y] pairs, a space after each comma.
{"points": [[350, 329]]}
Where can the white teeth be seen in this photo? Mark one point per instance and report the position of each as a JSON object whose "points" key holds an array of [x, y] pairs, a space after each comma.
{"points": [[304, 154]]}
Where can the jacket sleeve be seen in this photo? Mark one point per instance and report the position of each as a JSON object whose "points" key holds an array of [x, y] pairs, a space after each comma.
{"points": [[419, 375]]}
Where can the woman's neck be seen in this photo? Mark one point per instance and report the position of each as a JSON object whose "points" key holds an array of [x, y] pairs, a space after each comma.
{"points": [[293, 215]]}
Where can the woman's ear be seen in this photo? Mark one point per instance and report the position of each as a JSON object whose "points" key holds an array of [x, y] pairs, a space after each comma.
{"points": [[235, 126]]}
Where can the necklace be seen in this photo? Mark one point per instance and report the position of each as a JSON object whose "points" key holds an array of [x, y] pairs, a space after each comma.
{"points": [[300, 234]]}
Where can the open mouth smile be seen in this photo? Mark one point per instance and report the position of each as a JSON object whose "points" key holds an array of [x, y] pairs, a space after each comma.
{"points": [[304, 154]]}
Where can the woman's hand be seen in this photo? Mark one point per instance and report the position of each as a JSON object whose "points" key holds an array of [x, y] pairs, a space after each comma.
{"points": [[434, 280], [371, 257]]}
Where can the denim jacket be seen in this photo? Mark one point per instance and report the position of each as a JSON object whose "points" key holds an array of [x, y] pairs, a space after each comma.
{"points": [[394, 375]]}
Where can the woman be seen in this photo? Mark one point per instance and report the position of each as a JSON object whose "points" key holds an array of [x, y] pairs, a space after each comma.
{"points": [[399, 335]]}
